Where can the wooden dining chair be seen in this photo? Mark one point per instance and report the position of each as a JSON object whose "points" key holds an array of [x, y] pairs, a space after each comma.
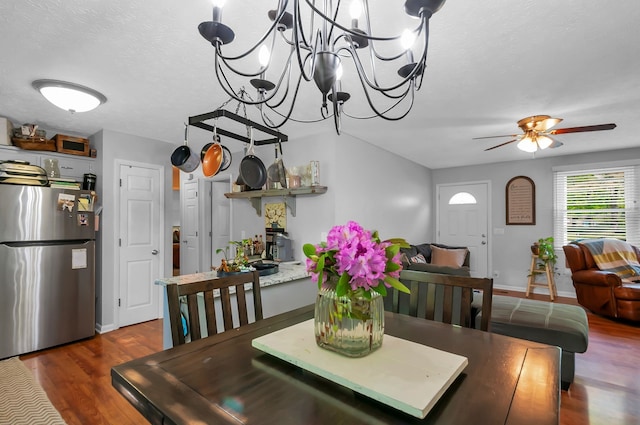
{"points": [[204, 293], [442, 297]]}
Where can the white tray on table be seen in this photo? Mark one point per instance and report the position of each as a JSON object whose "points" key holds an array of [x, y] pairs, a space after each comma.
{"points": [[402, 374]]}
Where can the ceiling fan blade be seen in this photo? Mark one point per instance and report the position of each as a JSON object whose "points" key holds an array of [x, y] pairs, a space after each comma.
{"points": [[493, 137], [501, 144], [583, 129]]}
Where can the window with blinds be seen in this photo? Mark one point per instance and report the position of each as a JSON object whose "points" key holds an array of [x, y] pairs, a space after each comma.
{"points": [[596, 203]]}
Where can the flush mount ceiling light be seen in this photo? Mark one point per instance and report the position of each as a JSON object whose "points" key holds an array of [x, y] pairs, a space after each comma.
{"points": [[69, 96], [321, 41]]}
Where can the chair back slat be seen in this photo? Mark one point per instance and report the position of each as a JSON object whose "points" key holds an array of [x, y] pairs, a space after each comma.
{"points": [[446, 297], [210, 312], [225, 300], [242, 305], [204, 292]]}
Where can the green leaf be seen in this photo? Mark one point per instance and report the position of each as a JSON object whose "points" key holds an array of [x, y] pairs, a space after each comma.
{"points": [[343, 285], [309, 249], [400, 242], [392, 267], [397, 284], [381, 289], [320, 264], [391, 251]]}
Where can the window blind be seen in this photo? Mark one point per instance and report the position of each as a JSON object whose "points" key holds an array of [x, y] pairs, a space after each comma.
{"points": [[596, 203]]}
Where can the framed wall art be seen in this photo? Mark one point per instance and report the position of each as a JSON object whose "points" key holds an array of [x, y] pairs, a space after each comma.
{"points": [[521, 201]]}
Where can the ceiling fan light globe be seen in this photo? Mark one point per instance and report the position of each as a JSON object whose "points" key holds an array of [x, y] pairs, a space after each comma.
{"points": [[544, 141], [527, 145]]}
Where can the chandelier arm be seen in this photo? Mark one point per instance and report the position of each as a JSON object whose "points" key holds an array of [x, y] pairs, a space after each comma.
{"points": [[298, 28], [335, 19], [232, 68], [400, 98], [350, 31], [365, 79], [308, 77], [252, 49], [417, 30], [228, 88], [383, 114], [286, 117], [277, 88]]}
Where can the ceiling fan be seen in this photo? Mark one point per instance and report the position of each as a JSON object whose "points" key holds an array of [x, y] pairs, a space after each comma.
{"points": [[537, 133]]}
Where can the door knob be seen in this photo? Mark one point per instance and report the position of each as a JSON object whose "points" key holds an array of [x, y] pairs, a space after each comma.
{"points": [[154, 252], [483, 242]]}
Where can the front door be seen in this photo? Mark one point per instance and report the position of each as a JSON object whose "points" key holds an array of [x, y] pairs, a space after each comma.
{"points": [[140, 229], [462, 220]]}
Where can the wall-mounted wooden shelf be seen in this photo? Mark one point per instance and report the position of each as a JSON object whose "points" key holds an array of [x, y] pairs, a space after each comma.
{"points": [[289, 195]]}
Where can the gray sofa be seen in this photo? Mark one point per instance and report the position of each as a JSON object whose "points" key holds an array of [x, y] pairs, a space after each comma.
{"points": [[426, 252]]}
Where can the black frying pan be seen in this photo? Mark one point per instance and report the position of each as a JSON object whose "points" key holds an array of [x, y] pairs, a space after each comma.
{"points": [[252, 169]]}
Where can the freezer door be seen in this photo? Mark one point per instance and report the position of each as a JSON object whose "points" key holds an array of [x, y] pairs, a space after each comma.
{"points": [[29, 213], [47, 295]]}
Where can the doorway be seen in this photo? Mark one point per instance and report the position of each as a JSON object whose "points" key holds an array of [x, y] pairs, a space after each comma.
{"points": [[189, 228], [221, 217], [462, 219], [140, 257]]}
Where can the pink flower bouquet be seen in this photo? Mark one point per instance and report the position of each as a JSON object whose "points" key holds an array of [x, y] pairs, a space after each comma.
{"points": [[354, 262]]}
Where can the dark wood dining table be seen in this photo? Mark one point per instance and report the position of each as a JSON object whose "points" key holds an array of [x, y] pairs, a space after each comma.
{"points": [[222, 379]]}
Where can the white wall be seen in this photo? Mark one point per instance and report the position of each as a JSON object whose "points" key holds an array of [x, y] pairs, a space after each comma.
{"points": [[114, 146], [377, 188], [510, 251]]}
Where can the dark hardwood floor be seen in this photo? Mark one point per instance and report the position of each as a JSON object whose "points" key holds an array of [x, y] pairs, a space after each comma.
{"points": [[76, 377]]}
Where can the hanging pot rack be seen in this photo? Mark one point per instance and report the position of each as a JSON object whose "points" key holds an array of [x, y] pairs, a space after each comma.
{"points": [[199, 121]]}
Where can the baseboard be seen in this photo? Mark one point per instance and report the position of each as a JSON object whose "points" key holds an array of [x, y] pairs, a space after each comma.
{"points": [[538, 290], [102, 329]]}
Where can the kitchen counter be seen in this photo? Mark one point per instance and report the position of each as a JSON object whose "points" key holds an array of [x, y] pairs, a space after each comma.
{"points": [[286, 273], [286, 290]]}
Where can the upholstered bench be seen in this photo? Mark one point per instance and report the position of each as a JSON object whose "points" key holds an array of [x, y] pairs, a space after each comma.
{"points": [[562, 325]]}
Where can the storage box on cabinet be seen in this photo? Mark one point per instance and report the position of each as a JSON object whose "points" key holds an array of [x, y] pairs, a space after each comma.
{"points": [[72, 168]]}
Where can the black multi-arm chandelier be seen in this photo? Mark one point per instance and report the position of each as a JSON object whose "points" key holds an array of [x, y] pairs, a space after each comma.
{"points": [[319, 52]]}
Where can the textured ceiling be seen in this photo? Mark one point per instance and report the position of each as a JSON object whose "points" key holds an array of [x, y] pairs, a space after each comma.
{"points": [[490, 63]]}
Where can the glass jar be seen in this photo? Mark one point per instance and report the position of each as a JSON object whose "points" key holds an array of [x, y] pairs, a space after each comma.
{"points": [[353, 327]]}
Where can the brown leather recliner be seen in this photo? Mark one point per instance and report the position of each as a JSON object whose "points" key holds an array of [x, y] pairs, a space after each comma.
{"points": [[602, 292]]}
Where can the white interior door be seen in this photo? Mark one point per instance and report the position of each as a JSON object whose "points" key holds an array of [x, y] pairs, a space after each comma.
{"points": [[141, 219], [220, 219], [189, 223], [462, 220]]}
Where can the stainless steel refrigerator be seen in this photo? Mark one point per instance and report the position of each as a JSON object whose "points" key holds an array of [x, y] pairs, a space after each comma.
{"points": [[47, 267]]}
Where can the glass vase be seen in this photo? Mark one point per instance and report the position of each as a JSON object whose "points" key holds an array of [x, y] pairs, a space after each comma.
{"points": [[353, 327]]}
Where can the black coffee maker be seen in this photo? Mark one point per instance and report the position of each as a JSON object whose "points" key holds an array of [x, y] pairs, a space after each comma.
{"points": [[89, 181], [270, 240]]}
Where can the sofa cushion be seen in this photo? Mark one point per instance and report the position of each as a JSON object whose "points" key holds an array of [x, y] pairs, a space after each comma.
{"points": [[448, 257], [549, 323]]}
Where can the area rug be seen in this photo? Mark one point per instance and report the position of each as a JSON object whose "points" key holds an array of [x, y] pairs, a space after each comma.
{"points": [[22, 399]]}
